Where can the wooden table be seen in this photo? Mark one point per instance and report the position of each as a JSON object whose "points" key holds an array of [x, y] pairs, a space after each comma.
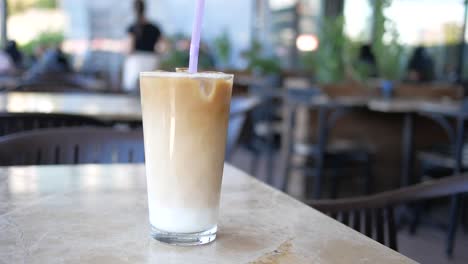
{"points": [[98, 214], [106, 107], [409, 108], [441, 112]]}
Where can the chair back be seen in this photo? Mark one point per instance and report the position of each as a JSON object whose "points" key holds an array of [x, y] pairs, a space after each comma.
{"points": [[374, 215], [239, 112], [72, 146], [53, 82], [19, 122], [303, 97], [266, 110]]}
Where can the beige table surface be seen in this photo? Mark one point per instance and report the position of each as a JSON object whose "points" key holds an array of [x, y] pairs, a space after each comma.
{"points": [[115, 107], [98, 214], [106, 107], [395, 105], [447, 108]]}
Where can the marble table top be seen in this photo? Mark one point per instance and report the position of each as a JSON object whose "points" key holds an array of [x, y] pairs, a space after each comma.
{"points": [[113, 107], [98, 214]]}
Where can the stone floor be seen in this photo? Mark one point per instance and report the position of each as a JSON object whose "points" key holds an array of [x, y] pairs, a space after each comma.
{"points": [[426, 246]]}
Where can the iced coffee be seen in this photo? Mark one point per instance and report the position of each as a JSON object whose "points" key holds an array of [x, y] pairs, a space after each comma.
{"points": [[185, 119]]}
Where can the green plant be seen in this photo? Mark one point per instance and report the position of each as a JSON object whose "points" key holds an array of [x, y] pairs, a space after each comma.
{"points": [[45, 39], [175, 59], [355, 68], [386, 47], [179, 55], [180, 59], [223, 47], [260, 64], [329, 62], [265, 66], [18, 6], [51, 4], [452, 32]]}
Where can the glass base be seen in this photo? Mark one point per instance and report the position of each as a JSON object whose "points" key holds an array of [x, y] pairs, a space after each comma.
{"points": [[184, 239]]}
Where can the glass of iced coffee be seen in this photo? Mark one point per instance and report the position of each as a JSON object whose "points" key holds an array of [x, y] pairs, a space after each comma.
{"points": [[185, 119]]}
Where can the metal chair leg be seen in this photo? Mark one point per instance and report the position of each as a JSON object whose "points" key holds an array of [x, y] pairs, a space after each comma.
{"points": [[334, 184], [254, 164], [285, 176], [464, 213], [416, 211], [318, 182], [454, 213], [368, 177], [416, 208], [269, 160]]}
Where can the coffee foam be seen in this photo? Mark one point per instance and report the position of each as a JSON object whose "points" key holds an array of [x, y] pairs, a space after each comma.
{"points": [[198, 75]]}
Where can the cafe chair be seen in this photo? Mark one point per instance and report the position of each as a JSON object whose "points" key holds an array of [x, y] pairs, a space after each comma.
{"points": [[83, 145], [18, 122], [323, 154], [263, 131], [443, 160], [236, 124], [374, 215], [241, 107], [65, 82], [438, 163]]}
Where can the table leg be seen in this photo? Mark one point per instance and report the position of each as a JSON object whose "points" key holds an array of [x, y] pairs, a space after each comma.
{"points": [[455, 203], [286, 146], [407, 155], [269, 157]]}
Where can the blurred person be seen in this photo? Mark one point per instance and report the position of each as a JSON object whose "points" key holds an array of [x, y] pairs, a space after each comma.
{"points": [[6, 64], [53, 61], [38, 52], [142, 48], [367, 61], [15, 55], [420, 66]]}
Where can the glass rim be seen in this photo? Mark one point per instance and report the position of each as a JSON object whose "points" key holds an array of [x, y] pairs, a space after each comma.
{"points": [[178, 74]]}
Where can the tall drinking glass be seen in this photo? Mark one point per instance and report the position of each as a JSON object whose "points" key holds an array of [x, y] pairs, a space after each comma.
{"points": [[185, 119]]}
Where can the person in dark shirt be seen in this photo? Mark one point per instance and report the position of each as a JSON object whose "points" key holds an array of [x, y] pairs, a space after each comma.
{"points": [[420, 66], [144, 37], [16, 56], [367, 61], [143, 40]]}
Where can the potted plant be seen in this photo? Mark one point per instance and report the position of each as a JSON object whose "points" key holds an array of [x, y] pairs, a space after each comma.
{"points": [[260, 65], [386, 47], [328, 62], [223, 49], [179, 54]]}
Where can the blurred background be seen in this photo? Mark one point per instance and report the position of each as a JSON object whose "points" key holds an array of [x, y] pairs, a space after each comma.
{"points": [[332, 99], [276, 36]]}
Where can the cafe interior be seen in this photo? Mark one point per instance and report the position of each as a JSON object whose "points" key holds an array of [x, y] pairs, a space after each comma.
{"points": [[345, 138]]}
